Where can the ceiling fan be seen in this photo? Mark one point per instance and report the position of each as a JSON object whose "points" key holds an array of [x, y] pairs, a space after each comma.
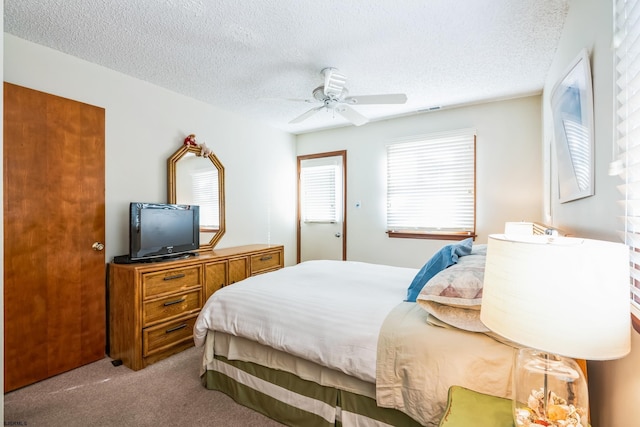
{"points": [[334, 96]]}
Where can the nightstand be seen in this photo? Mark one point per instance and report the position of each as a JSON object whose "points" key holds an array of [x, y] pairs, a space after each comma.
{"points": [[469, 408]]}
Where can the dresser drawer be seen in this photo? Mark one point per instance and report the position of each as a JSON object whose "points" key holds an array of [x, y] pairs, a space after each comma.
{"points": [[266, 261], [161, 337], [169, 281], [171, 306]]}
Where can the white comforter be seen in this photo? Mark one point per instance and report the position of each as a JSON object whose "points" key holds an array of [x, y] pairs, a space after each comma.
{"points": [[328, 312]]}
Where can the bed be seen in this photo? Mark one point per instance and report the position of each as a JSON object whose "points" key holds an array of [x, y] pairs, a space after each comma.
{"points": [[326, 343]]}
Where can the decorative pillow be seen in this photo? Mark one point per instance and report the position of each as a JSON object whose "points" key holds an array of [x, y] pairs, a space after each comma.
{"points": [[470, 408], [454, 295], [445, 257], [459, 285]]}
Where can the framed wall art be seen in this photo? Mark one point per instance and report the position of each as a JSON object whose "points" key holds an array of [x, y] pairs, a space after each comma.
{"points": [[572, 110]]}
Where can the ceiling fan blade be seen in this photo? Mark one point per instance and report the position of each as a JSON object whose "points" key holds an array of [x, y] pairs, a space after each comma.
{"points": [[392, 98], [333, 82], [352, 115], [306, 115]]}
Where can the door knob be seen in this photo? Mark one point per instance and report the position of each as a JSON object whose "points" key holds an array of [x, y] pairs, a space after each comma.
{"points": [[338, 234], [97, 246]]}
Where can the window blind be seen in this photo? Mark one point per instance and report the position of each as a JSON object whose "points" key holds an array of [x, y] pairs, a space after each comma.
{"points": [[431, 184], [627, 126], [318, 196], [205, 195]]}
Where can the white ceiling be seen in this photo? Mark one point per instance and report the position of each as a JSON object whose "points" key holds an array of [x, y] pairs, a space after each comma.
{"points": [[258, 57]]}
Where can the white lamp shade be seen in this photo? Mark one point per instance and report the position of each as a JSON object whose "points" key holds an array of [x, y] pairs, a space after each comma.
{"points": [[562, 295]]}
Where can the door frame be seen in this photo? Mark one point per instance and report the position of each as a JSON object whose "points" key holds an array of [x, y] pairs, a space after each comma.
{"points": [[343, 154]]}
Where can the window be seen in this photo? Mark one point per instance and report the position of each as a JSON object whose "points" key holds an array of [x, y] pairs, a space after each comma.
{"points": [[431, 186], [319, 193], [627, 129]]}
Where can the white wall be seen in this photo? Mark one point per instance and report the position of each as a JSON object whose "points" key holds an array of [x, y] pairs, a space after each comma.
{"points": [[588, 25], [145, 124], [508, 165], [614, 385]]}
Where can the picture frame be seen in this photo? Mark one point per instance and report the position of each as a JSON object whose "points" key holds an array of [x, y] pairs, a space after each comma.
{"points": [[572, 111]]}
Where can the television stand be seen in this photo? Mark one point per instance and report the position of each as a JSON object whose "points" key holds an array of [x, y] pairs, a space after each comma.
{"points": [[153, 306]]}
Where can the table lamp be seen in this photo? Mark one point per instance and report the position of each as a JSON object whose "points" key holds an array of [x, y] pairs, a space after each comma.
{"points": [[559, 298]]}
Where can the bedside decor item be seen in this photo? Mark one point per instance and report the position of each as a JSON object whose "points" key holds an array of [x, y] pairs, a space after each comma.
{"points": [[564, 298], [572, 109]]}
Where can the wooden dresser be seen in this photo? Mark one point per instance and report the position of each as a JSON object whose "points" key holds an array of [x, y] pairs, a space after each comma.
{"points": [[153, 306]]}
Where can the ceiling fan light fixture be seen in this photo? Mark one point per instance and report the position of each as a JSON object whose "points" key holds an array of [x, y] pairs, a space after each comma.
{"points": [[318, 93], [334, 96], [333, 81]]}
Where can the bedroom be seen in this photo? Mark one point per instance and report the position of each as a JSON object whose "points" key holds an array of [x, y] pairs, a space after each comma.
{"points": [[148, 122]]}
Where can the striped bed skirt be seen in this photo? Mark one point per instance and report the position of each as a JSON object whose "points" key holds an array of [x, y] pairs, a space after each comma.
{"points": [[293, 401]]}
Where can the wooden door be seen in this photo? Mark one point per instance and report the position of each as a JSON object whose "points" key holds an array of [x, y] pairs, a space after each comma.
{"points": [[54, 281]]}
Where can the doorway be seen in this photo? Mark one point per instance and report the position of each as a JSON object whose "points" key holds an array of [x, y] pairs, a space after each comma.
{"points": [[322, 214]]}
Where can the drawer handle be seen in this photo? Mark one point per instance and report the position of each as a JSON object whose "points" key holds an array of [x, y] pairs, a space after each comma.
{"points": [[178, 301], [176, 328], [266, 258], [175, 276]]}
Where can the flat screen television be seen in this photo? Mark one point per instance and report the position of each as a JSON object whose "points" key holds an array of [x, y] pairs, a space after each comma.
{"points": [[162, 230]]}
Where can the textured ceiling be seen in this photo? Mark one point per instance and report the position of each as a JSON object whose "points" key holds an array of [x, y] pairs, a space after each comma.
{"points": [[261, 58]]}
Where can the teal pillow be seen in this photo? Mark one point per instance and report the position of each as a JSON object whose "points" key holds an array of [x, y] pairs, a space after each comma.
{"points": [[445, 257]]}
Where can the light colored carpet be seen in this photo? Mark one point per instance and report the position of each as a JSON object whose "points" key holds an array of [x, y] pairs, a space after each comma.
{"points": [[168, 393]]}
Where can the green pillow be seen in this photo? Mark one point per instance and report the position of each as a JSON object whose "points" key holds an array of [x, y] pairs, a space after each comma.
{"points": [[469, 408]]}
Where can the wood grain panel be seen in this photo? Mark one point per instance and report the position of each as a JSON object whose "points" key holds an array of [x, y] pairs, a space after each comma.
{"points": [[215, 277], [238, 269], [53, 212]]}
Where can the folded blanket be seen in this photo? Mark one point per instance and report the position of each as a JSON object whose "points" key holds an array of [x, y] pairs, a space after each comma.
{"points": [[417, 363]]}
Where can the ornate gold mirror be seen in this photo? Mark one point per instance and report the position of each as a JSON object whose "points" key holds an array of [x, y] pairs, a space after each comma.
{"points": [[196, 177]]}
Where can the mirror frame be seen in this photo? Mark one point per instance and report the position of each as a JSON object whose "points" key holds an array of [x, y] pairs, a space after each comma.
{"points": [[171, 181]]}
